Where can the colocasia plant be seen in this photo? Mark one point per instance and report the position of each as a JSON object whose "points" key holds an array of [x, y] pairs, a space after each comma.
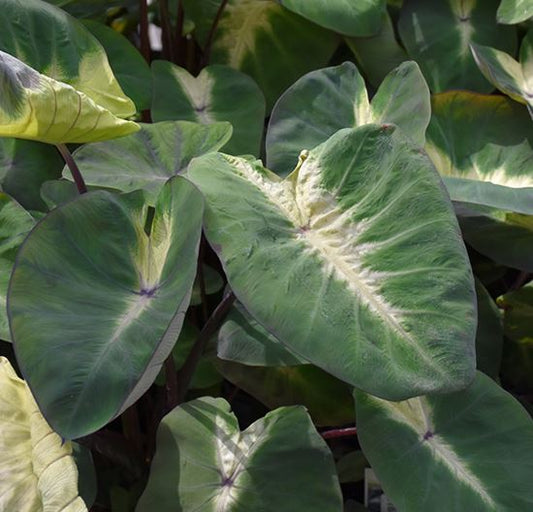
{"points": [[268, 256]]}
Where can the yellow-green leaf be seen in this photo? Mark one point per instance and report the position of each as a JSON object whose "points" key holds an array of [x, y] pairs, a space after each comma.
{"points": [[38, 472], [36, 107]]}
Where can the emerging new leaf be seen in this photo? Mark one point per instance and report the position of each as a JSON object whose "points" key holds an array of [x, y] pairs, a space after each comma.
{"points": [[95, 299], [204, 462], [38, 471], [469, 450], [36, 107], [354, 261]]}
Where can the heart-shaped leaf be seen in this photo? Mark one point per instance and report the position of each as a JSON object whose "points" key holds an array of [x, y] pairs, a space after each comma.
{"points": [[15, 223], [437, 34], [148, 158], [36, 107], [483, 147], [219, 93], [204, 462], [469, 450], [269, 43], [57, 45], [325, 101], [514, 11], [511, 77], [329, 260], [361, 18], [38, 471], [94, 299]]}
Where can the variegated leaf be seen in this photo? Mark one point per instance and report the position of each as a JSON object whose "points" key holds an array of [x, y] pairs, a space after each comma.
{"points": [[354, 261], [38, 471], [36, 107], [470, 450]]}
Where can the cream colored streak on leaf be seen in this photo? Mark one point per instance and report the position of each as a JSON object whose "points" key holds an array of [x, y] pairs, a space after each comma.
{"points": [[239, 26], [333, 235], [198, 90], [416, 413]]}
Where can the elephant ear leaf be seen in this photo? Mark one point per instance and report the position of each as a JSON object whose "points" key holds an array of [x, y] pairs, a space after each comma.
{"points": [[36, 107], [63, 49], [34, 458]]}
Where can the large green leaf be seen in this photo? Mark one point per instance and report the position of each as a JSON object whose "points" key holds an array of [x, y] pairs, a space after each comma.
{"points": [[128, 65], [327, 399], [271, 44], [437, 34], [96, 300], [148, 158], [38, 471], [483, 147], [505, 237], [471, 450], [36, 107], [361, 18], [379, 54], [511, 77], [329, 260], [514, 11], [219, 93], [60, 47], [15, 223], [324, 101], [517, 364], [24, 166], [204, 462]]}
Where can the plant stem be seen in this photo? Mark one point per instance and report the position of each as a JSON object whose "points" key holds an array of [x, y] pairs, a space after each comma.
{"points": [[187, 370], [143, 28], [171, 382], [131, 427], [74, 169], [166, 32], [212, 31], [201, 280], [178, 36], [339, 432]]}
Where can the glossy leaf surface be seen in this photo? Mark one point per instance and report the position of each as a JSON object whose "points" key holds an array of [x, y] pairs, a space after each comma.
{"points": [[36, 107], [60, 47], [361, 18], [469, 450], [204, 462], [102, 307], [327, 100], [483, 147], [148, 158], [38, 471], [437, 34], [329, 260], [271, 44], [219, 93], [15, 223]]}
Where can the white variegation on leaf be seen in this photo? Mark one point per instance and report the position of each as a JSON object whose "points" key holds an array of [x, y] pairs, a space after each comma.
{"points": [[469, 450], [511, 77], [38, 472], [354, 261]]}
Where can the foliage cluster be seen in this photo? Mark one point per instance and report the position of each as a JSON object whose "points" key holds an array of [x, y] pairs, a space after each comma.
{"points": [[250, 247]]}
